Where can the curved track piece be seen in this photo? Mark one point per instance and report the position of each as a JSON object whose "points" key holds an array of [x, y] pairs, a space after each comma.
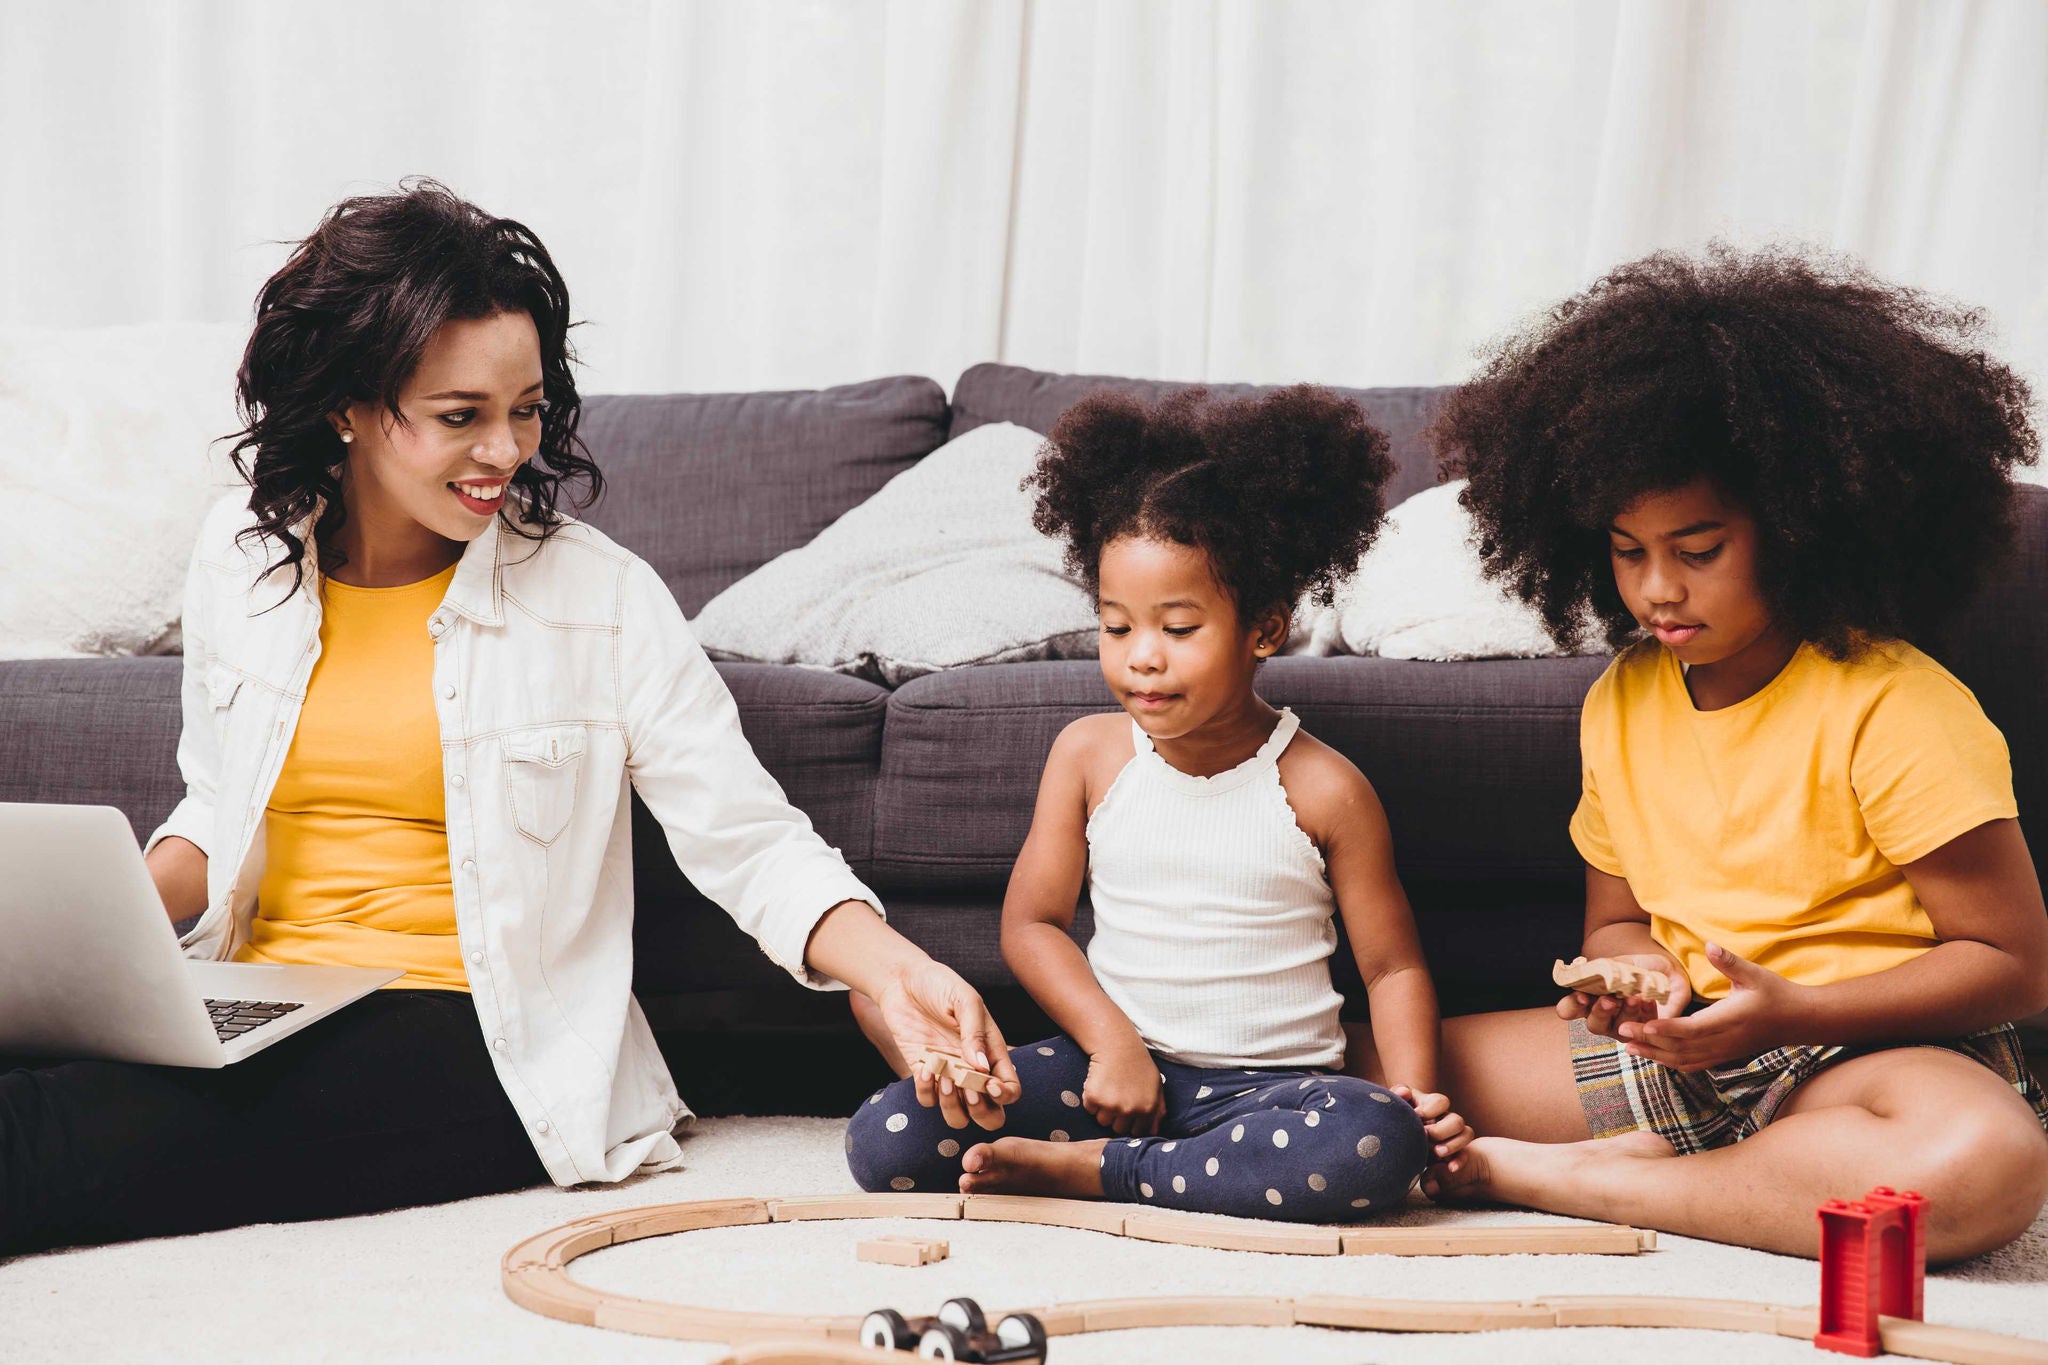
{"points": [[535, 1276]]}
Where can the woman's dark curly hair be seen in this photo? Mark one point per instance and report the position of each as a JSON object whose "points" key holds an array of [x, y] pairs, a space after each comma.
{"points": [[346, 320], [1857, 421], [1283, 492]]}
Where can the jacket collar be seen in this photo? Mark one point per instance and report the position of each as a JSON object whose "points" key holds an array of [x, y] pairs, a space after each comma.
{"points": [[478, 589]]}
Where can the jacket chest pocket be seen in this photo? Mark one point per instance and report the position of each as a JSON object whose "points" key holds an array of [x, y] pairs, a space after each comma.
{"points": [[542, 769]]}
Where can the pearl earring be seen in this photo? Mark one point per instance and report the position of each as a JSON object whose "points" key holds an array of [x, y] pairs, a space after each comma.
{"points": [[347, 436]]}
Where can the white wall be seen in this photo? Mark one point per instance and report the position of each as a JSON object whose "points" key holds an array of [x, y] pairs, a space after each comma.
{"points": [[799, 192]]}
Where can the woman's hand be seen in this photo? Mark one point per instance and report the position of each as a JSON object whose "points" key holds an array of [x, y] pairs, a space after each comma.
{"points": [[928, 1005], [1448, 1133], [1604, 1014], [1123, 1092], [1759, 1013]]}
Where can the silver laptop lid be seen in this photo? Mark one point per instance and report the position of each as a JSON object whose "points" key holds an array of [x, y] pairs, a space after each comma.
{"points": [[89, 965]]}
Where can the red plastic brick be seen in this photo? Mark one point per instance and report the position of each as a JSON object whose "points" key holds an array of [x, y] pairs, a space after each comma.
{"points": [[1902, 1284], [1873, 1261]]}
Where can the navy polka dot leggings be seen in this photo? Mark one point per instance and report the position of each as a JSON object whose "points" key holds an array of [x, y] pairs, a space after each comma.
{"points": [[1303, 1146]]}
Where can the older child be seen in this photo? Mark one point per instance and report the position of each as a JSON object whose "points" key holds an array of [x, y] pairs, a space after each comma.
{"points": [[1198, 1068], [1766, 478]]}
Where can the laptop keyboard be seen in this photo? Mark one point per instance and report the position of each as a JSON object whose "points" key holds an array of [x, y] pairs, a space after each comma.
{"points": [[233, 1018]]}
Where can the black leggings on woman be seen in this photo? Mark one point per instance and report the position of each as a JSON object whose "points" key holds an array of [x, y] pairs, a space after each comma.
{"points": [[390, 1102]]}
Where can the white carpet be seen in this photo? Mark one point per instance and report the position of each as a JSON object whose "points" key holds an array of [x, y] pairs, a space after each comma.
{"points": [[422, 1284]]}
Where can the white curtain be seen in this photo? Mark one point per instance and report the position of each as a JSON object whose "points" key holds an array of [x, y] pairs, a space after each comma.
{"points": [[800, 192]]}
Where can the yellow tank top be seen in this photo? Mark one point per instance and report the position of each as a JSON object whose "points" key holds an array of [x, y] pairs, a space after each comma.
{"points": [[356, 872]]}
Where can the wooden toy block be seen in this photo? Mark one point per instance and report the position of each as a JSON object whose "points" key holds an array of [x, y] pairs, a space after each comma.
{"points": [[1419, 1315], [904, 1251], [1585, 1239], [1615, 1310], [660, 1220], [1106, 1315], [1088, 1214], [1197, 1230], [865, 1206], [951, 1066], [1605, 976]]}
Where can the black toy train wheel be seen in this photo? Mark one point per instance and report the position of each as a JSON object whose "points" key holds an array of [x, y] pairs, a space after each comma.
{"points": [[964, 1314], [1022, 1329], [944, 1341], [885, 1329]]}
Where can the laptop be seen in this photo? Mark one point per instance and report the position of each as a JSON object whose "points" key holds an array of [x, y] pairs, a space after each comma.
{"points": [[90, 966]]}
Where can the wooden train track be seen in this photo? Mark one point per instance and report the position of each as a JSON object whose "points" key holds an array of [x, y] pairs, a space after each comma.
{"points": [[535, 1276]]}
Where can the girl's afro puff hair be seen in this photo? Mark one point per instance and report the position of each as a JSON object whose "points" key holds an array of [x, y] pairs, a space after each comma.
{"points": [[1282, 492], [1858, 421]]}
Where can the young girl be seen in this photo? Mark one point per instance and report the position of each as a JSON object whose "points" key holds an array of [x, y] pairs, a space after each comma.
{"points": [[1198, 1065], [1769, 479], [415, 695]]}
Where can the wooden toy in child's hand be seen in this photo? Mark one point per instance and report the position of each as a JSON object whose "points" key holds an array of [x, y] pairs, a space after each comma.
{"points": [[950, 1066], [1605, 976]]}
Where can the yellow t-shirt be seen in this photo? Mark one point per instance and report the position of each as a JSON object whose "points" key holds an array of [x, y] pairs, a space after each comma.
{"points": [[1775, 827], [356, 872]]}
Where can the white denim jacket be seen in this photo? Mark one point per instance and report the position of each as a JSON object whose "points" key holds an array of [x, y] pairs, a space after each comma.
{"points": [[564, 674]]}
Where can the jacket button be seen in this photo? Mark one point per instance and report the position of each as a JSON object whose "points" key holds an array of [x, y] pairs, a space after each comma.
{"points": [[449, 691], [498, 1044], [455, 781], [541, 1127], [469, 864], [477, 958]]}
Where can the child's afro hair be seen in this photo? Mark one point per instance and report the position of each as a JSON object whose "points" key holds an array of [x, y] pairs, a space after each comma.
{"points": [[1282, 492], [1858, 421]]}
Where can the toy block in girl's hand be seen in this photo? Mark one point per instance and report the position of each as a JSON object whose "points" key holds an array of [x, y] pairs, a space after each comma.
{"points": [[950, 1066], [1605, 976]]}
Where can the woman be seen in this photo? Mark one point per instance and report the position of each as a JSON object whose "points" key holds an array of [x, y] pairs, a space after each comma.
{"points": [[416, 698]]}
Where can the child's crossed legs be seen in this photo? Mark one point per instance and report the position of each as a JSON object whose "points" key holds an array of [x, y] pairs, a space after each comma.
{"points": [[1303, 1146]]}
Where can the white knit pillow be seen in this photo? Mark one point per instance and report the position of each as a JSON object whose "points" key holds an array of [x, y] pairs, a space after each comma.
{"points": [[940, 568], [106, 471], [1419, 594]]}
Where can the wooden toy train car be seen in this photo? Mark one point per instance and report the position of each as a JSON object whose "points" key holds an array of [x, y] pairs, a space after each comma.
{"points": [[957, 1332]]}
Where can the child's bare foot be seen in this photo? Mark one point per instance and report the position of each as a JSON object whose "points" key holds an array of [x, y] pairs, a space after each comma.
{"points": [[1532, 1173], [1071, 1170]]}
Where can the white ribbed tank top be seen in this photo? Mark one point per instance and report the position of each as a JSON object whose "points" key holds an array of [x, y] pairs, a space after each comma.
{"points": [[1214, 919]]}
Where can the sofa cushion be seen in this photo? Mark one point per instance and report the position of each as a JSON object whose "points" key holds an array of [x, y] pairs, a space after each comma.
{"points": [[1476, 763], [940, 569], [95, 732], [1036, 398], [709, 487]]}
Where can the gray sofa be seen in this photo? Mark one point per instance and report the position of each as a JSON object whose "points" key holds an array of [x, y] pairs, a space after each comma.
{"points": [[928, 790]]}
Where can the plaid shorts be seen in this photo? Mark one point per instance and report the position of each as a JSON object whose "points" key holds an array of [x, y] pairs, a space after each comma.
{"points": [[1697, 1110]]}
